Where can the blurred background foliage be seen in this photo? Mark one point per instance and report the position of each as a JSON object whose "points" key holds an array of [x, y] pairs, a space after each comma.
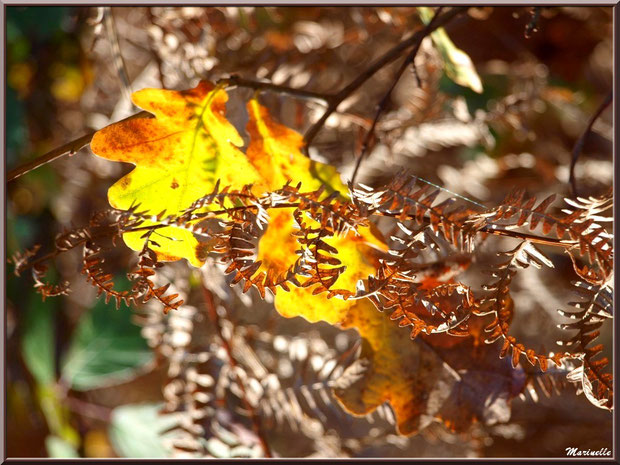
{"points": [[84, 380]]}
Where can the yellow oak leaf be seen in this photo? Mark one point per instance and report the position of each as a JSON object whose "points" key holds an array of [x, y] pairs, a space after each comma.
{"points": [[275, 151], [396, 369], [179, 155], [189, 145]]}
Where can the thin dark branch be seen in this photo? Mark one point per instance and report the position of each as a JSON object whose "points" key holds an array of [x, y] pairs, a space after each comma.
{"points": [[156, 57], [582, 139], [382, 104], [237, 81], [532, 26], [386, 59], [414, 68], [117, 56], [69, 148], [528, 237], [227, 344], [87, 409]]}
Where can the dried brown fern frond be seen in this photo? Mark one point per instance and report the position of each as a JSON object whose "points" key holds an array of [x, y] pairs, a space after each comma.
{"points": [[329, 216], [594, 241], [405, 260], [592, 207], [188, 388], [407, 250], [317, 259], [21, 260], [243, 218], [289, 381], [426, 310], [92, 267], [403, 199], [65, 241], [335, 216], [238, 244], [418, 292], [104, 226], [595, 384], [70, 239], [202, 216], [404, 306], [47, 289], [455, 320], [548, 383], [595, 306], [596, 302], [317, 218], [241, 206], [497, 302], [417, 254], [577, 228], [144, 287], [307, 393], [190, 399]]}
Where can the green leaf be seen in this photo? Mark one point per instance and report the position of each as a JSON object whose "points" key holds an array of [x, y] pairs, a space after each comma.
{"points": [[58, 448], [106, 349], [457, 64], [37, 347], [136, 429], [37, 343], [57, 415]]}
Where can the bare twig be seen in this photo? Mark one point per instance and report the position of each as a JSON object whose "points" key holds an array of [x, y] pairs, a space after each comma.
{"points": [[69, 148], [532, 26], [237, 81], [156, 57], [227, 344], [81, 407], [528, 237], [416, 74], [117, 56], [382, 104], [582, 139], [87, 409], [386, 59]]}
